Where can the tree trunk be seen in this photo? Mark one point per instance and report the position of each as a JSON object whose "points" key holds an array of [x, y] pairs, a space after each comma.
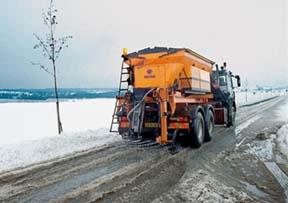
{"points": [[60, 129]]}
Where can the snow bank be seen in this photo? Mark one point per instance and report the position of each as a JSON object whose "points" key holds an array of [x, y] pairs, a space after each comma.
{"points": [[201, 186], [282, 134], [30, 152], [282, 112], [29, 131], [262, 149], [252, 97], [283, 139]]}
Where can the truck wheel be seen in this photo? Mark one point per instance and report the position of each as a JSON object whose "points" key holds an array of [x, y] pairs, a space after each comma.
{"points": [[198, 130], [209, 126], [232, 117]]}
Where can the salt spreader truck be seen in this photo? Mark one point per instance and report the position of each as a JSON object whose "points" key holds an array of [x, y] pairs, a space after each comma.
{"points": [[168, 94]]}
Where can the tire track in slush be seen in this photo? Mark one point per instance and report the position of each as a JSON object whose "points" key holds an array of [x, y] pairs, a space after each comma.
{"points": [[72, 173], [280, 176], [143, 183], [79, 179]]}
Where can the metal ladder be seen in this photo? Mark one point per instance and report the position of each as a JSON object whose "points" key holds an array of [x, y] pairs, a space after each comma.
{"points": [[122, 89]]}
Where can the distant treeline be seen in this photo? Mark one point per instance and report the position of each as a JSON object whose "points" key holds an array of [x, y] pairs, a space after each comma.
{"points": [[64, 93]]}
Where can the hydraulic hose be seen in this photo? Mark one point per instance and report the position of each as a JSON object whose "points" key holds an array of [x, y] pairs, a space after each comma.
{"points": [[135, 107]]}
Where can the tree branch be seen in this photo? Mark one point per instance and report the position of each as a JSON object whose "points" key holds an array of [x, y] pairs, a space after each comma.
{"points": [[60, 44], [43, 68], [43, 45]]}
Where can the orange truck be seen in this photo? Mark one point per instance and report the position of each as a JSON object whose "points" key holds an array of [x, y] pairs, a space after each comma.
{"points": [[171, 94]]}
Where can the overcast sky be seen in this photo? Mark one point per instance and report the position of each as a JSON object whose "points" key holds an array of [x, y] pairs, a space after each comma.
{"points": [[251, 35]]}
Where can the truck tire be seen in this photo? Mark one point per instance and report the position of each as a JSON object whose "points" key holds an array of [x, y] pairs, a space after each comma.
{"points": [[198, 130], [231, 117], [209, 125]]}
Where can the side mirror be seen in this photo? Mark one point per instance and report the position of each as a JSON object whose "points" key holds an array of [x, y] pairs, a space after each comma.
{"points": [[238, 80]]}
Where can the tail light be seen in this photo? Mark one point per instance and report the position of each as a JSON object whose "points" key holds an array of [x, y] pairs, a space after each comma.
{"points": [[179, 119], [123, 118]]}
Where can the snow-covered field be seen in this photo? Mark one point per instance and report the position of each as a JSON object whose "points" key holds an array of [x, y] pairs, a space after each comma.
{"points": [[29, 131], [32, 121], [243, 98]]}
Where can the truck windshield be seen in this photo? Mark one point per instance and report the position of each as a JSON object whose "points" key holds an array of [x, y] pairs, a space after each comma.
{"points": [[222, 81]]}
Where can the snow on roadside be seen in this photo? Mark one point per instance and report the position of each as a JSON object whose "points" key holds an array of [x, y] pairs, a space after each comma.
{"points": [[201, 186], [253, 97], [29, 132], [34, 151], [283, 139], [282, 134], [282, 112], [262, 149]]}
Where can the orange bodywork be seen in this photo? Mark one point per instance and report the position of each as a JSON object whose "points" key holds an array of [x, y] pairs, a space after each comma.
{"points": [[169, 74], [160, 70]]}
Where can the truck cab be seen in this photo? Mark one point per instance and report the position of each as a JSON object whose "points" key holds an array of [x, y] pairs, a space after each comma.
{"points": [[223, 90]]}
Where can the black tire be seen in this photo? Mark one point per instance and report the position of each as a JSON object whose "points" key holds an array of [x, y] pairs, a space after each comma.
{"points": [[231, 117], [198, 130], [209, 125]]}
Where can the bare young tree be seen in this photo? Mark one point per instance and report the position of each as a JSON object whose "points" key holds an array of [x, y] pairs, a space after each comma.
{"points": [[51, 47]]}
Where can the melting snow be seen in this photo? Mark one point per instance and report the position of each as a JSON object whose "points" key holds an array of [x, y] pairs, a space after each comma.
{"points": [[262, 149], [30, 152], [283, 139]]}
